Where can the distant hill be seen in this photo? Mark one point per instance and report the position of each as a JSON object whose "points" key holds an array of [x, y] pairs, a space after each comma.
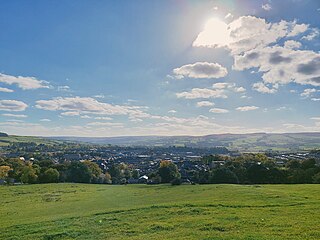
{"points": [[6, 139], [241, 142]]}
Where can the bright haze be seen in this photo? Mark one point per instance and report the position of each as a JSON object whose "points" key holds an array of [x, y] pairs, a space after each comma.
{"points": [[121, 68]]}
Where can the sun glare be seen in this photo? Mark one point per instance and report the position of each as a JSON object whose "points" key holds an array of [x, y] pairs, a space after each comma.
{"points": [[215, 33]]}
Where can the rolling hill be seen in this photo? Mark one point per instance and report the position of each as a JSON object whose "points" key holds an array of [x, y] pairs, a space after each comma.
{"points": [[241, 142]]}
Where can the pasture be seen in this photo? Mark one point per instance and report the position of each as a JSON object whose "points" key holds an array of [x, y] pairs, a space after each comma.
{"points": [[83, 211]]}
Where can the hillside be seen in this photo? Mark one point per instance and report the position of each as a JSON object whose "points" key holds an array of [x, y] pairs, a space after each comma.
{"points": [[242, 142], [79, 211], [8, 139]]}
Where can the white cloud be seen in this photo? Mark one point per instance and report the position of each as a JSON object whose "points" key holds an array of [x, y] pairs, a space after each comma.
{"points": [[291, 44], [240, 89], [218, 110], [246, 108], [297, 29], [14, 115], [2, 89], [281, 65], [200, 70], [12, 105], [69, 113], [172, 111], [253, 42], [103, 118], [99, 96], [45, 120], [74, 106], [261, 87], [308, 92], [246, 33], [85, 117], [220, 85], [25, 83], [315, 99], [228, 16], [202, 93], [205, 104], [105, 124], [315, 118], [266, 7], [63, 88], [312, 35]]}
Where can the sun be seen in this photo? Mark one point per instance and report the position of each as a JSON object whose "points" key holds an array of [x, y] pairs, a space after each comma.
{"points": [[215, 33]]}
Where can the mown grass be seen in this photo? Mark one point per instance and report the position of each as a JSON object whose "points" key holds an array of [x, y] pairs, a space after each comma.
{"points": [[79, 211]]}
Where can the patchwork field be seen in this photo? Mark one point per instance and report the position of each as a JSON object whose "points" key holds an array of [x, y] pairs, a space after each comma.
{"points": [[79, 211]]}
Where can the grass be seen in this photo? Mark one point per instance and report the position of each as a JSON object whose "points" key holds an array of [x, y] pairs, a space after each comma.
{"points": [[5, 141], [79, 211]]}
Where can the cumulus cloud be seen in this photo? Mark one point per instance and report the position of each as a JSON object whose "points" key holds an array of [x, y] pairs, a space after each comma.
{"points": [[281, 65], [74, 106], [308, 92], [200, 70], [172, 111], [246, 108], [266, 7], [26, 83], [261, 87], [246, 33], [220, 85], [313, 34], [12, 105], [252, 42], [218, 110], [2, 89], [291, 44], [202, 93], [205, 104], [63, 88], [240, 89]]}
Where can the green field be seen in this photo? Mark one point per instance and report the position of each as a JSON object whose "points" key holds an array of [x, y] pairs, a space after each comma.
{"points": [[79, 211], [5, 141]]}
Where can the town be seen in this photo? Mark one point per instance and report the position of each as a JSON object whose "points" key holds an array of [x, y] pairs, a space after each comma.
{"points": [[131, 165]]}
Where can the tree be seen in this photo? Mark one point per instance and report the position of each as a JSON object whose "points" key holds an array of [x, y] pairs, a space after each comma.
{"points": [[176, 181], [135, 174], [29, 175], [4, 172], [95, 171], [51, 175], [107, 178], [257, 173], [115, 173], [223, 175], [168, 171], [316, 178], [79, 172], [308, 163]]}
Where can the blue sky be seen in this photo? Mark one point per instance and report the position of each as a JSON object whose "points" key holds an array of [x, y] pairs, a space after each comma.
{"points": [[111, 68]]}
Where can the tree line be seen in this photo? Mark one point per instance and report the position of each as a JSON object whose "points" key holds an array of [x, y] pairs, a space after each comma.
{"points": [[245, 169]]}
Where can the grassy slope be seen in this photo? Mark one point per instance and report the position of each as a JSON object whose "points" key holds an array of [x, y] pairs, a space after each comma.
{"points": [[5, 141], [69, 211]]}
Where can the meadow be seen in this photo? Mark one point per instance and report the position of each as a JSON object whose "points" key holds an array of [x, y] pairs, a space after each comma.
{"points": [[80, 211]]}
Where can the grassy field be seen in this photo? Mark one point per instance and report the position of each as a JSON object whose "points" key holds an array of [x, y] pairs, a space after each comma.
{"points": [[79, 211], [5, 141]]}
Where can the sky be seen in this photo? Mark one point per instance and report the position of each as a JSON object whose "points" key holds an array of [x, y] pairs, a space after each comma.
{"points": [[128, 68]]}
